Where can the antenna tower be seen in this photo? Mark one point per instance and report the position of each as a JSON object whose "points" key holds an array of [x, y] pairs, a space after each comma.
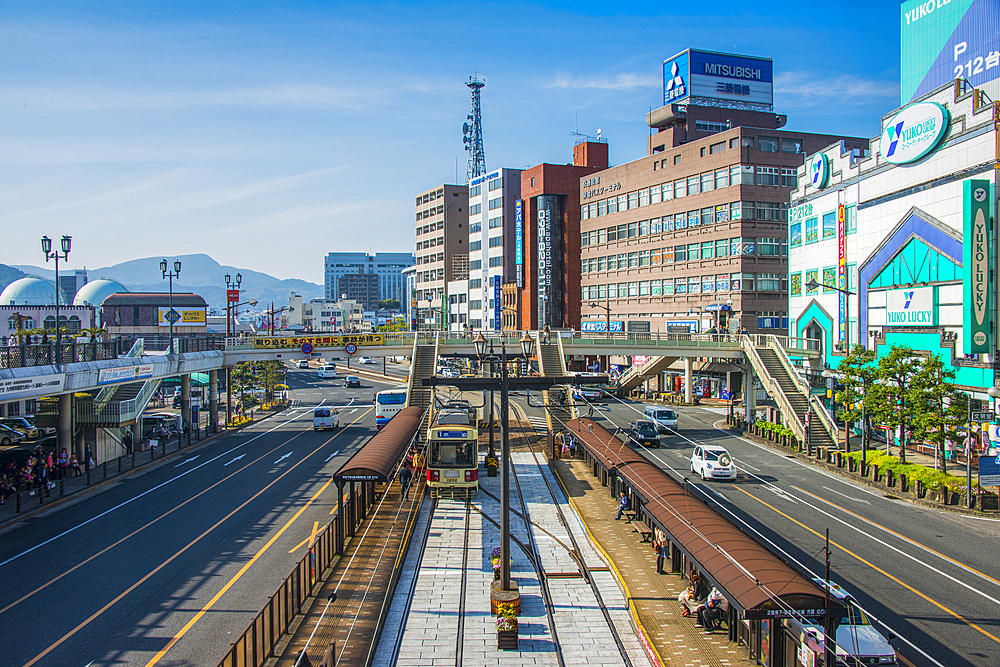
{"points": [[473, 133]]}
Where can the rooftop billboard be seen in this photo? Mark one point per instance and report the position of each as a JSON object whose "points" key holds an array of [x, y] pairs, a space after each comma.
{"points": [[718, 79]]}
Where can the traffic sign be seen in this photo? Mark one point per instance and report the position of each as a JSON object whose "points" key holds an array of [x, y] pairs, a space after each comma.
{"points": [[983, 417], [989, 471], [307, 348], [172, 316], [351, 348]]}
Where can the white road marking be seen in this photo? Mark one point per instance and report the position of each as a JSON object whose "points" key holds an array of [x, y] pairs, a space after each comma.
{"points": [[744, 464], [234, 460], [781, 493], [283, 458], [187, 461], [353, 410], [331, 456], [857, 500]]}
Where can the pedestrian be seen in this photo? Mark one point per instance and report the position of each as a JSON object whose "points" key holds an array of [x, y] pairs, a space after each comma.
{"points": [[6, 489], [88, 457], [75, 464], [405, 477], [63, 463], [622, 505], [691, 597], [713, 611], [546, 335], [572, 445], [660, 546]]}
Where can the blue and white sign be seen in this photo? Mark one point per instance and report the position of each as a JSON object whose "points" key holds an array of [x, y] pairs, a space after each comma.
{"points": [[519, 243], [913, 132], [989, 471], [745, 80], [819, 171], [452, 434], [497, 306], [124, 374], [602, 326], [911, 307]]}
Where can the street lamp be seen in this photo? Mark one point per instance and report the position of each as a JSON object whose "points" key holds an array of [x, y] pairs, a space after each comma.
{"points": [[172, 315], [607, 312], [814, 284], [65, 243]]}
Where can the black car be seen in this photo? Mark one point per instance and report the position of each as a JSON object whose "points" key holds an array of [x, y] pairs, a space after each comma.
{"points": [[643, 432]]}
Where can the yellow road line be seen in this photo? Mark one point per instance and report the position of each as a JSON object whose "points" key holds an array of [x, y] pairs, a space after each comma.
{"points": [[309, 540], [876, 568], [902, 537]]}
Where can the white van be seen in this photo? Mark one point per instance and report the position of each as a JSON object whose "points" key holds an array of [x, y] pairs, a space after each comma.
{"points": [[325, 418], [664, 418], [327, 371]]}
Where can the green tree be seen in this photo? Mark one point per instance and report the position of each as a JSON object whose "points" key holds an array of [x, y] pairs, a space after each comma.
{"points": [[389, 304], [891, 391], [857, 374], [941, 409]]}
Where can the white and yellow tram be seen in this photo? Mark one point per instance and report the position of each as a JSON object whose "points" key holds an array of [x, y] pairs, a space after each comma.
{"points": [[452, 455]]}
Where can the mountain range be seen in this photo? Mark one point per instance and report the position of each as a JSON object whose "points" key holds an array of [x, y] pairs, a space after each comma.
{"points": [[199, 274]]}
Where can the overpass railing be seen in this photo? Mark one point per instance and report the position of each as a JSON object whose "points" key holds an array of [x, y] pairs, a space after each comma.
{"points": [[46, 354]]}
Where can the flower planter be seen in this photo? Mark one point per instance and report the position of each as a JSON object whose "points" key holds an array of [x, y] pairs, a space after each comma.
{"points": [[491, 471], [507, 640]]}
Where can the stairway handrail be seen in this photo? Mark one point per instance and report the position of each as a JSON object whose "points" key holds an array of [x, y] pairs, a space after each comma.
{"points": [[774, 345], [825, 419], [562, 369], [773, 388]]}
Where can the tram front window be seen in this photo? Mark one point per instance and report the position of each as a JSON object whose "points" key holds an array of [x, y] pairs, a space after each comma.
{"points": [[453, 454]]}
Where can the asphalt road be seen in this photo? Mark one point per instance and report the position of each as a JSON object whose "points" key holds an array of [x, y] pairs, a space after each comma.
{"points": [[930, 577], [169, 566]]}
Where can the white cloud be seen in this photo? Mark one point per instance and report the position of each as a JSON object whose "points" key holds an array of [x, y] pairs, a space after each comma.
{"points": [[622, 81], [808, 89]]}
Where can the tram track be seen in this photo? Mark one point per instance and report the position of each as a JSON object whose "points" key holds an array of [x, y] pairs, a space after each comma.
{"points": [[460, 640]]}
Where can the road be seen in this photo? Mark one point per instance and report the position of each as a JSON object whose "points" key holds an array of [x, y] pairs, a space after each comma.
{"points": [[929, 577], [169, 566]]}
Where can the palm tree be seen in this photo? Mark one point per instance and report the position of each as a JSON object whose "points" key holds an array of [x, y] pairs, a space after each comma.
{"points": [[95, 333]]}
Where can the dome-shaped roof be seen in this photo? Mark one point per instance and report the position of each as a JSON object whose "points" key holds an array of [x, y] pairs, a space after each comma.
{"points": [[28, 291], [95, 292]]}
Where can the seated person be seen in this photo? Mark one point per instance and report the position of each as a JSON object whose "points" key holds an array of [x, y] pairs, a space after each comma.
{"points": [[714, 610], [694, 594]]}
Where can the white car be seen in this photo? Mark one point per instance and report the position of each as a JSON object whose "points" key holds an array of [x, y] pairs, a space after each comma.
{"points": [[327, 371], [365, 360], [303, 363], [665, 418], [712, 462], [325, 418]]}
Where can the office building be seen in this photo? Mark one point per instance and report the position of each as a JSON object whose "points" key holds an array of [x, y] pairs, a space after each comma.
{"points": [[388, 266], [694, 234], [70, 283], [360, 287], [442, 252], [906, 228], [546, 288], [492, 201]]}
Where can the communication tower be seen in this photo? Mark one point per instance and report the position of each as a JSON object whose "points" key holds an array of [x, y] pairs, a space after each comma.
{"points": [[473, 133]]}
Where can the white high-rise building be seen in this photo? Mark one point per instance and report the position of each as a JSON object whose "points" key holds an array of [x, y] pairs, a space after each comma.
{"points": [[491, 244]]}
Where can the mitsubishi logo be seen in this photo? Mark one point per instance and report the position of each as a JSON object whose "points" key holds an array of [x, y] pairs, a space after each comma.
{"points": [[675, 77]]}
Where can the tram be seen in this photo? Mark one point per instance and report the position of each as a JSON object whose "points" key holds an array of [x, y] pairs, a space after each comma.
{"points": [[452, 454]]}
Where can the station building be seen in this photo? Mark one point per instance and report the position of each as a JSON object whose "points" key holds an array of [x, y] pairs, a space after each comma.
{"points": [[908, 229], [694, 234]]}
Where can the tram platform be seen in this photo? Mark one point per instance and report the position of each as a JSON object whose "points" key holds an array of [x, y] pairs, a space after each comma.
{"points": [[675, 639]]}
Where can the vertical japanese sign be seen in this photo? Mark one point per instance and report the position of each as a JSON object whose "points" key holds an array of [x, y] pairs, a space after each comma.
{"points": [[842, 269], [445, 321], [497, 306], [519, 243], [550, 261], [976, 266]]}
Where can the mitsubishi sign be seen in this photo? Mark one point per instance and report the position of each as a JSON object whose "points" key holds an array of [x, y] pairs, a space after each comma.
{"points": [[718, 79]]}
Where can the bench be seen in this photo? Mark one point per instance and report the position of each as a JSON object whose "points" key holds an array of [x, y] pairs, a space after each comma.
{"points": [[631, 516], [646, 535]]}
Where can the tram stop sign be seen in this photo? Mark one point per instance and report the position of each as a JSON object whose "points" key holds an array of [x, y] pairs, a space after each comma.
{"points": [[351, 348], [307, 348], [172, 316]]}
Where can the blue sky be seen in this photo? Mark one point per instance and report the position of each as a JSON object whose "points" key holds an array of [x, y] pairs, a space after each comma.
{"points": [[268, 134]]}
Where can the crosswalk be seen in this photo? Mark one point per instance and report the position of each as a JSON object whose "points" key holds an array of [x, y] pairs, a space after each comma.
{"points": [[539, 423]]}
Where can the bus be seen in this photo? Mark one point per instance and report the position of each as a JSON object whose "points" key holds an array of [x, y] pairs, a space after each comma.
{"points": [[388, 403], [453, 455]]}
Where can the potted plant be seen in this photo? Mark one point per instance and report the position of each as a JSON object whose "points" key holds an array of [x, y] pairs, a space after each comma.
{"points": [[491, 464], [506, 627]]}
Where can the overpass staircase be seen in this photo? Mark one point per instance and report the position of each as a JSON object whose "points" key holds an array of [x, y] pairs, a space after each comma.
{"points": [[638, 373], [423, 364], [790, 391], [558, 401]]}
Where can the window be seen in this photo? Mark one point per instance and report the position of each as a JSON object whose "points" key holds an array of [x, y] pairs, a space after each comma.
{"points": [[475, 208], [655, 257], [612, 205], [811, 275], [644, 288], [709, 126], [702, 152], [475, 245], [495, 262], [593, 210], [736, 211], [748, 141], [668, 191], [602, 235], [767, 144], [830, 225], [694, 251], [722, 282], [644, 227], [633, 260], [694, 218], [633, 230], [722, 213], [633, 200], [475, 305], [748, 281], [655, 195], [602, 207], [680, 285], [721, 178], [496, 203], [476, 190], [496, 222], [851, 221], [633, 289], [735, 282], [680, 189], [829, 278], [769, 211], [602, 263], [677, 159], [769, 282], [812, 230], [694, 285], [717, 148], [791, 145], [496, 241], [654, 288], [789, 178], [734, 142], [476, 283], [602, 291], [795, 234], [707, 249], [708, 216], [668, 255], [768, 176], [795, 284], [496, 184], [692, 183], [668, 223], [623, 203], [680, 253], [475, 264], [475, 227], [708, 182], [722, 248], [584, 239], [644, 197], [644, 258], [769, 246], [708, 283]]}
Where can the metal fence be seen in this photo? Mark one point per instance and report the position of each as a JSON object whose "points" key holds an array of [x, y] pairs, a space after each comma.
{"points": [[24, 356]]}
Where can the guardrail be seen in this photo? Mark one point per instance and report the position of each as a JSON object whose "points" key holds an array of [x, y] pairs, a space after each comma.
{"points": [[824, 417], [25, 356]]}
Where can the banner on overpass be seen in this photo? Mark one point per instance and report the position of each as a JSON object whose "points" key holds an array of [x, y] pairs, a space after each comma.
{"points": [[124, 374], [17, 388], [282, 343]]}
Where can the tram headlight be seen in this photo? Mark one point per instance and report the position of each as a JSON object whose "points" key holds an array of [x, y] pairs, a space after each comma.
{"points": [[472, 475]]}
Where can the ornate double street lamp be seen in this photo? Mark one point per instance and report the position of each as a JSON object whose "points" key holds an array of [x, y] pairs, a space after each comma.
{"points": [[485, 350], [65, 243], [172, 315]]}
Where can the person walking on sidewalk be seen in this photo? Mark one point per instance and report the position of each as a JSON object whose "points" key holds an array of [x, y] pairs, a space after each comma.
{"points": [[405, 477], [622, 505], [660, 545]]}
